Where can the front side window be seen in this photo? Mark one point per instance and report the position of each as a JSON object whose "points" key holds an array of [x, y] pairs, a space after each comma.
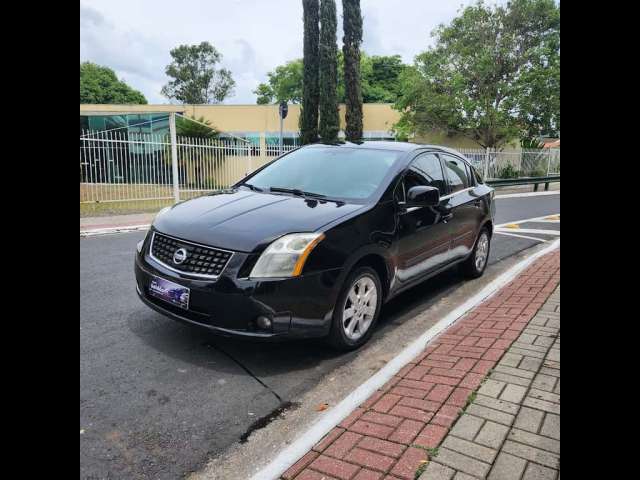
{"points": [[456, 173], [425, 170], [335, 172]]}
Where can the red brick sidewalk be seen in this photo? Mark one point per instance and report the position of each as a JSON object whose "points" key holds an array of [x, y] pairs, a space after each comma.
{"points": [[387, 437]]}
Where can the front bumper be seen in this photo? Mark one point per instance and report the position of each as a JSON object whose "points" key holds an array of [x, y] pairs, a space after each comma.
{"points": [[299, 307]]}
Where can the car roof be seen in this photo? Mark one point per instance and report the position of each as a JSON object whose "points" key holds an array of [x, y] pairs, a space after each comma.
{"points": [[386, 145]]}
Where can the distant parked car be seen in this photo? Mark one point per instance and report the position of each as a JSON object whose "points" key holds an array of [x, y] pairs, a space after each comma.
{"points": [[313, 243]]}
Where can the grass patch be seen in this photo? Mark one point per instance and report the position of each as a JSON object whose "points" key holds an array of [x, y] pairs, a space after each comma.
{"points": [[470, 400], [433, 452], [421, 469]]}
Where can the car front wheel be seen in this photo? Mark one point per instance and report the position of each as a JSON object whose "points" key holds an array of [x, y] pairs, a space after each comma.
{"points": [[356, 310]]}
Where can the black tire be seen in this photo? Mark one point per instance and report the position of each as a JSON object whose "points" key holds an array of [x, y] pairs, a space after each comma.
{"points": [[338, 338], [470, 266]]}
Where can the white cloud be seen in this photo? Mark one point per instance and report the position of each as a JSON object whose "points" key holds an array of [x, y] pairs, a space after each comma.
{"points": [[254, 36]]}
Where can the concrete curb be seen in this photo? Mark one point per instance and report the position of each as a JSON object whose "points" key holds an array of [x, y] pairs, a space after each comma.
{"points": [[528, 194], [108, 230]]}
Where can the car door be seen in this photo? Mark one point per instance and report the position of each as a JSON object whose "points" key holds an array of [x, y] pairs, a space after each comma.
{"points": [[423, 233], [464, 206]]}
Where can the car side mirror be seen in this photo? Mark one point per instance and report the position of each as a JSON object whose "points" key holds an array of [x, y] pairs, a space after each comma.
{"points": [[423, 196]]}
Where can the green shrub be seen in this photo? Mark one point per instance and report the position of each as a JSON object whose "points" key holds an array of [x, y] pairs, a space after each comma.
{"points": [[508, 171], [538, 173]]}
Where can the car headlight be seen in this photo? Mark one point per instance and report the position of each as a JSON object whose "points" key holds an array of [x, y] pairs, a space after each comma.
{"points": [[285, 257]]}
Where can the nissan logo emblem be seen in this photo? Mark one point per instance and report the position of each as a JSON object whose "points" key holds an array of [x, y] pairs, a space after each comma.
{"points": [[179, 256]]}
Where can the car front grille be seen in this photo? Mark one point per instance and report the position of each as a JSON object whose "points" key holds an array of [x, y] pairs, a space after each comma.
{"points": [[200, 261]]}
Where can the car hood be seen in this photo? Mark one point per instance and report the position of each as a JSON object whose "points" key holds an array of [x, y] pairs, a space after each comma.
{"points": [[247, 221]]}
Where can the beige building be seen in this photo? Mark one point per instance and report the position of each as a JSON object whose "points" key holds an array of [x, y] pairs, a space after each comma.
{"points": [[378, 118], [259, 123]]}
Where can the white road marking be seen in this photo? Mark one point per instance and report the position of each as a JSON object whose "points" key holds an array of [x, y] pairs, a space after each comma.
{"points": [[529, 230], [528, 194], [534, 219], [333, 417], [501, 232]]}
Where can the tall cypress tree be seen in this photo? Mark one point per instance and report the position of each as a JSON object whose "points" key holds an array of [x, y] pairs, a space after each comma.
{"points": [[310, 89], [329, 118], [352, 26]]}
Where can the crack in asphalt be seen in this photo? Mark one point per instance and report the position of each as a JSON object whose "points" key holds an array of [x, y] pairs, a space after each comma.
{"points": [[278, 412], [246, 369]]}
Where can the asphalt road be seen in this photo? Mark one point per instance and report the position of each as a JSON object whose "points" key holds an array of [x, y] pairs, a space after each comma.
{"points": [[157, 398]]}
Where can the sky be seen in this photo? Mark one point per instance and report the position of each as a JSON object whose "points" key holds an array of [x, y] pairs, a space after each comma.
{"points": [[254, 36]]}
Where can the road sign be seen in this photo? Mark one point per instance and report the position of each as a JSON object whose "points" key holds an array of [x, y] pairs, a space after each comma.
{"points": [[284, 109]]}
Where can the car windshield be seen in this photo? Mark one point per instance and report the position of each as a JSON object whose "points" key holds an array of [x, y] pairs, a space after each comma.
{"points": [[334, 172]]}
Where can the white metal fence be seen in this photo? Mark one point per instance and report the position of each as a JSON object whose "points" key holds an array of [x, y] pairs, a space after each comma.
{"points": [[494, 164], [123, 171]]}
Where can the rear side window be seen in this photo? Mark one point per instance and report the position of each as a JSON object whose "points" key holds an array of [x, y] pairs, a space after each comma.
{"points": [[456, 173]]}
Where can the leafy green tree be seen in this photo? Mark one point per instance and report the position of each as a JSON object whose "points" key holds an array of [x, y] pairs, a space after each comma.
{"points": [[196, 78], [492, 75], [380, 80], [200, 128], [352, 26], [310, 86], [101, 85], [328, 76], [539, 86], [201, 164], [283, 84]]}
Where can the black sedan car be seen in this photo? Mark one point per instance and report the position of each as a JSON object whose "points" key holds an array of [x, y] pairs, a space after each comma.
{"points": [[313, 243]]}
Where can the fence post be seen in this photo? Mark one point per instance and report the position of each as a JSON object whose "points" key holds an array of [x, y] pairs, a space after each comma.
{"points": [[486, 164], [249, 145], [174, 157], [548, 161], [263, 148]]}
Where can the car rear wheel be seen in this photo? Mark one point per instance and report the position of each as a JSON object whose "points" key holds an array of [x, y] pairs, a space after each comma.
{"points": [[475, 265], [356, 310]]}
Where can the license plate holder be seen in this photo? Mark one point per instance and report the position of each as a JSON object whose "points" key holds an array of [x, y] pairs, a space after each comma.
{"points": [[170, 292]]}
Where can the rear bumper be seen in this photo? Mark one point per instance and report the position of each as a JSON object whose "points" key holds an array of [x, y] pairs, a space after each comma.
{"points": [[299, 307]]}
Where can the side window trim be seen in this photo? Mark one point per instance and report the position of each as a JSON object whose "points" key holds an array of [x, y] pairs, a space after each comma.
{"points": [[400, 184]]}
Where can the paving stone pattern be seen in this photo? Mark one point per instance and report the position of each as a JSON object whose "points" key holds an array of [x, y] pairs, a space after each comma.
{"points": [[511, 428], [511, 431]]}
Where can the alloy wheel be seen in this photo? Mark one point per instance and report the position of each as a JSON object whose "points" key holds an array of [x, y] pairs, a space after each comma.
{"points": [[482, 251], [359, 308]]}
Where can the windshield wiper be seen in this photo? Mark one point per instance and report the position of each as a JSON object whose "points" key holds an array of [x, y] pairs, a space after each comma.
{"points": [[252, 187], [297, 192]]}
